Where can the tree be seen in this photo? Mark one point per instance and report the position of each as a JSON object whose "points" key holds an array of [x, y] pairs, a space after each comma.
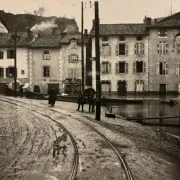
{"points": [[39, 12]]}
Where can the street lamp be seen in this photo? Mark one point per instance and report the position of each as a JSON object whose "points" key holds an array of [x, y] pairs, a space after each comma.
{"points": [[15, 37]]}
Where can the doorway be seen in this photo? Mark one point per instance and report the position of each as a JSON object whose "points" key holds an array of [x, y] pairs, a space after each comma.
{"points": [[122, 88], [54, 86], [162, 89]]}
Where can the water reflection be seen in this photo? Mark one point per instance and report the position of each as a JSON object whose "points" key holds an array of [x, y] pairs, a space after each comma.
{"points": [[152, 108]]}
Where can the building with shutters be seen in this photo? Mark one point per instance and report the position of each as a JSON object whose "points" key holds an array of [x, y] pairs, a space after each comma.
{"points": [[164, 54], [123, 58]]}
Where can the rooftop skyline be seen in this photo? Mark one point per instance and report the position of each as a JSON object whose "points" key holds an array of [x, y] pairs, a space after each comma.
{"points": [[110, 11]]}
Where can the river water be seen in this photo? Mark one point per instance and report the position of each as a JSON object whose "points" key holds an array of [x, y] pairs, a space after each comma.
{"points": [[153, 107]]}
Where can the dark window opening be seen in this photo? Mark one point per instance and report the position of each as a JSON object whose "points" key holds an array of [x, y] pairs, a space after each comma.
{"points": [[1, 72], [46, 71], [121, 67], [139, 66], [10, 72], [162, 32], [121, 49], [10, 54], [36, 89], [1, 55]]}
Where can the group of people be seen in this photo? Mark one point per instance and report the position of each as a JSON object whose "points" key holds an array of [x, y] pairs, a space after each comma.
{"points": [[82, 99]]}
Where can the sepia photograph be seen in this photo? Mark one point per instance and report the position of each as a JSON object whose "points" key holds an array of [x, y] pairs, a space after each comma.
{"points": [[89, 90]]}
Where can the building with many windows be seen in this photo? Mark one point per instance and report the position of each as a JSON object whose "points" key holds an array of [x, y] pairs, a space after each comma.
{"points": [[164, 55], [124, 58]]}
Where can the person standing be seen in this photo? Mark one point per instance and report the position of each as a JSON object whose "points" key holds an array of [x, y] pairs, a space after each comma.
{"points": [[52, 97], [81, 101], [21, 91], [91, 102]]}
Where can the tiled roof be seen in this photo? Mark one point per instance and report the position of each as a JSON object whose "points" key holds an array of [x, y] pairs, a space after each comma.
{"points": [[47, 41], [126, 29], [68, 37], [6, 40]]}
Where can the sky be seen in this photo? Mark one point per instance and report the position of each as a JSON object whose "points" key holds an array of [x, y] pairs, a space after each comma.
{"points": [[110, 11]]}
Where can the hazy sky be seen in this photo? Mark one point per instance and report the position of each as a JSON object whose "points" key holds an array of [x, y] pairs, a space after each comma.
{"points": [[110, 11]]}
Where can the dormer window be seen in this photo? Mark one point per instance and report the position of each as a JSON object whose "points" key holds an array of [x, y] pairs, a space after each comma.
{"points": [[46, 55], [121, 38], [162, 33], [104, 38], [73, 43]]}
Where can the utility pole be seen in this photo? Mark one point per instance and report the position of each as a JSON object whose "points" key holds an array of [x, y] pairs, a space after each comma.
{"points": [[82, 49], [15, 37], [98, 83]]}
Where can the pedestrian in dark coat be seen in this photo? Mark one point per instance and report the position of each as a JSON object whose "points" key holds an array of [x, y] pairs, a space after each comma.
{"points": [[81, 101], [91, 102], [52, 96], [21, 91]]}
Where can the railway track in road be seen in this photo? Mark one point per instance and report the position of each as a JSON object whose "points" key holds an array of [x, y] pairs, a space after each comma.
{"points": [[73, 171], [75, 162]]}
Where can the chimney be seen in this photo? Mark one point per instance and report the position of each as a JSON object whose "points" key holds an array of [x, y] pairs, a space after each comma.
{"points": [[55, 31], [29, 34], [147, 20], [85, 32]]}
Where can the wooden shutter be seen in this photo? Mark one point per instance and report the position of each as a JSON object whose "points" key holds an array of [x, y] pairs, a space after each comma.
{"points": [[117, 68], [177, 69], [134, 67], [157, 68], [109, 67], [126, 68], [135, 49], [101, 68], [158, 48], [109, 50], [166, 49], [117, 50], [77, 58], [166, 68], [144, 67], [126, 49]]}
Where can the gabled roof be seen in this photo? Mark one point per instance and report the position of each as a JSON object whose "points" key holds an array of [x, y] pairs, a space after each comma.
{"points": [[170, 21], [117, 29], [47, 42], [4, 23], [66, 39], [6, 40]]}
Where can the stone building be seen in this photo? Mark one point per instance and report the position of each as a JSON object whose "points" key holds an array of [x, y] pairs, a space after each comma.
{"points": [[123, 58], [164, 54]]}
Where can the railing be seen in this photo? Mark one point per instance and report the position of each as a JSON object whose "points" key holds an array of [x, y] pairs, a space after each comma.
{"points": [[160, 122]]}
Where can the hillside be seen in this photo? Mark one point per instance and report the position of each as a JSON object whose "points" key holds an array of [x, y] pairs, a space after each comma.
{"points": [[21, 22]]}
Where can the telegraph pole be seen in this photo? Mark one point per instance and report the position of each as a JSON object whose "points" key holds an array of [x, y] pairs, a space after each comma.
{"points": [[98, 83], [82, 48], [14, 37]]}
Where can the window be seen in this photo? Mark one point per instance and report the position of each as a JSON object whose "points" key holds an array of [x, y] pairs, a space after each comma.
{"points": [[178, 69], [122, 67], [22, 72], [46, 71], [139, 38], [139, 67], [106, 86], [162, 33], [162, 48], [73, 73], [106, 50], [10, 72], [1, 72], [139, 48], [73, 58], [104, 38], [10, 54], [178, 48], [122, 38], [46, 55], [121, 49], [106, 68], [139, 84], [73, 43], [1, 55], [161, 68]]}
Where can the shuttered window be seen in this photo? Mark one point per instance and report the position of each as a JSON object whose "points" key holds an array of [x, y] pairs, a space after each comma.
{"points": [[105, 68], [1, 72], [161, 68], [121, 49], [121, 67]]}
